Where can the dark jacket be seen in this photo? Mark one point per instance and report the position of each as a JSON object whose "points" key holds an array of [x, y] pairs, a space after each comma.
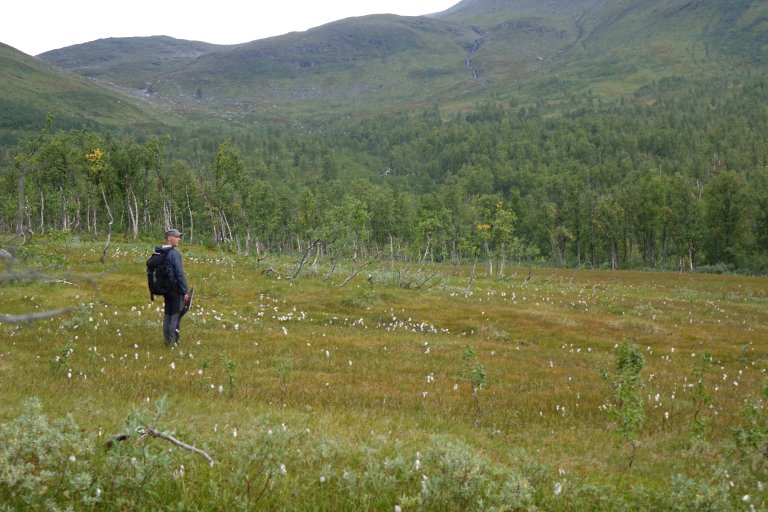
{"points": [[174, 258]]}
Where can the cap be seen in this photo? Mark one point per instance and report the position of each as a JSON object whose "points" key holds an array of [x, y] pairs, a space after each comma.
{"points": [[174, 232]]}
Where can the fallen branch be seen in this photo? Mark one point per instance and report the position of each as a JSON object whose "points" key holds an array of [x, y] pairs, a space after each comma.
{"points": [[270, 271], [31, 317], [353, 274], [60, 281], [151, 432]]}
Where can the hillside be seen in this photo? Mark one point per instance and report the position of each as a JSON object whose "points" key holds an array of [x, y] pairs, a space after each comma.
{"points": [[517, 50], [30, 88], [133, 61]]}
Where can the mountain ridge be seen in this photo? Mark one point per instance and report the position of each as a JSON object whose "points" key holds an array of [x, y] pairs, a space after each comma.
{"points": [[520, 51]]}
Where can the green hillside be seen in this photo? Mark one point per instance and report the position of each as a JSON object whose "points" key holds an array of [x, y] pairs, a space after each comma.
{"points": [[133, 61], [514, 50], [30, 88]]}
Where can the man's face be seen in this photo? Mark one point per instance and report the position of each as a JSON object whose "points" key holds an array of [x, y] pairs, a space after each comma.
{"points": [[173, 240]]}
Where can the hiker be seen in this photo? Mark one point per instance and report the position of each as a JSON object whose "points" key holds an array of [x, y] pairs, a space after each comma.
{"points": [[178, 295]]}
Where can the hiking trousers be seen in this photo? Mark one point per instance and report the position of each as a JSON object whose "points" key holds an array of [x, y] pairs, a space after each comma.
{"points": [[172, 319]]}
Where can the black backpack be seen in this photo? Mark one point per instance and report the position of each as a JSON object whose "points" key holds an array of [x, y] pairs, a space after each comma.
{"points": [[160, 277]]}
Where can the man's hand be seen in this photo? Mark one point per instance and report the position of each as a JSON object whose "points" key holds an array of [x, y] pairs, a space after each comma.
{"points": [[186, 298]]}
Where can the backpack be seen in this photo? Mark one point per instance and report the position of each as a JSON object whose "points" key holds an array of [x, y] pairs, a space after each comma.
{"points": [[160, 278]]}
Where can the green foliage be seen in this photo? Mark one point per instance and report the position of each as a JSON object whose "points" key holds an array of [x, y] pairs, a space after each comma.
{"points": [[627, 385], [63, 354], [751, 436], [230, 368], [708, 494], [702, 398], [504, 184], [474, 373], [360, 428], [46, 464]]}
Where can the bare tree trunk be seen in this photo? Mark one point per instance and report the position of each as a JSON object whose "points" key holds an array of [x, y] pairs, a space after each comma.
{"points": [[489, 271], [28, 212], [133, 213], [318, 253], [95, 223], [471, 278], [191, 221], [304, 258], [109, 226], [423, 258], [502, 262], [77, 215], [21, 228]]}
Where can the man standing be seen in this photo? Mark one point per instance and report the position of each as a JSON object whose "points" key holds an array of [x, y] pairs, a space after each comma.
{"points": [[179, 294]]}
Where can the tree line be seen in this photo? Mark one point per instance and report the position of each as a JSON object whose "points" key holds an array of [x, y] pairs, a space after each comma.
{"points": [[673, 178]]}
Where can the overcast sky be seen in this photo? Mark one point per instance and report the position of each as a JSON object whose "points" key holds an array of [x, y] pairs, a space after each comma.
{"points": [[35, 27]]}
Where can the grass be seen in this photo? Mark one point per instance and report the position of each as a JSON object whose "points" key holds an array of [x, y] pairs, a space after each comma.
{"points": [[374, 366]]}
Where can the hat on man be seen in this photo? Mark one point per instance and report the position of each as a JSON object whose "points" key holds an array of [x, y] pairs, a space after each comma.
{"points": [[173, 232]]}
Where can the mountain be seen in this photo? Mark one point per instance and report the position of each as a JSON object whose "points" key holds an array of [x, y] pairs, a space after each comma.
{"points": [[30, 88], [132, 61], [525, 51]]}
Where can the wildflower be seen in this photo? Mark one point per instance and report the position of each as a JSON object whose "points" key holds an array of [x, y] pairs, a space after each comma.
{"points": [[322, 479], [72, 458], [283, 471], [558, 488]]}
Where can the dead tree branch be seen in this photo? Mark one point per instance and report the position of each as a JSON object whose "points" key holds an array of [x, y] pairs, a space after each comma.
{"points": [[334, 261], [427, 280], [31, 317], [305, 256], [270, 271], [354, 273], [152, 432]]}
